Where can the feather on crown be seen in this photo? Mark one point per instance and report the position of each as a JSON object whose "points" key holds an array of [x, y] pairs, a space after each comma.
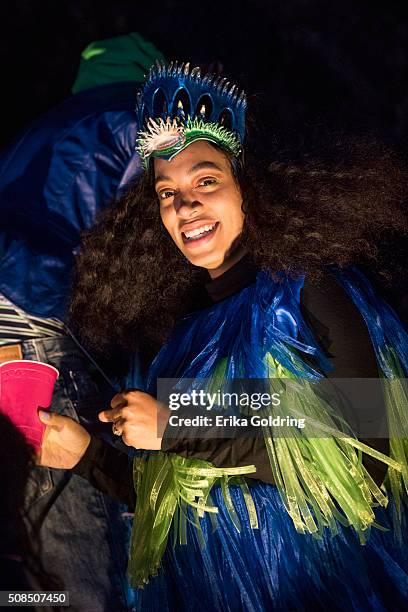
{"points": [[177, 106]]}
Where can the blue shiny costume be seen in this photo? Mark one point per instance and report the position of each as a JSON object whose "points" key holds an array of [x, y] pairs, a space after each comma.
{"points": [[274, 567]]}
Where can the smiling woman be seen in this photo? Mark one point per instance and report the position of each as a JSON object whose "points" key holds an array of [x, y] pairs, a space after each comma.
{"points": [[201, 206], [221, 259]]}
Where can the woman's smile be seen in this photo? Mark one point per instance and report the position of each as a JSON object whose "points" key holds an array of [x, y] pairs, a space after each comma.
{"points": [[199, 235]]}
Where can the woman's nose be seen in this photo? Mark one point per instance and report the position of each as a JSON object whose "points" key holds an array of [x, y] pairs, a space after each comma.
{"points": [[184, 204]]}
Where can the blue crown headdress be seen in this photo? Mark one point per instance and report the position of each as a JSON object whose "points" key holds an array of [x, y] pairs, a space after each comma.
{"points": [[177, 106]]}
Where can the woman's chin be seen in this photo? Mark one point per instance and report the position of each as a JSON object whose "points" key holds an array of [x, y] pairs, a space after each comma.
{"points": [[205, 261]]}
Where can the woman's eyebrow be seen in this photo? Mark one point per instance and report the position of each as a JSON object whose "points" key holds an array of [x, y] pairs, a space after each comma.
{"points": [[205, 164], [199, 166], [161, 177]]}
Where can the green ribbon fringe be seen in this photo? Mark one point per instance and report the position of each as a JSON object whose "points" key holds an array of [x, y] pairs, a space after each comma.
{"points": [[396, 399], [318, 472], [166, 486]]}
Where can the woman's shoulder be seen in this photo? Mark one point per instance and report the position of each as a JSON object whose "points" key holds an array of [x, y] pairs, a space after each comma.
{"points": [[339, 327]]}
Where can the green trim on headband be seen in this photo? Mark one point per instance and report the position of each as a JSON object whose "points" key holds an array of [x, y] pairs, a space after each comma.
{"points": [[152, 142]]}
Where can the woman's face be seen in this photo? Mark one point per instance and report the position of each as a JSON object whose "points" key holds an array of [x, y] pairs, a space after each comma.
{"points": [[200, 205]]}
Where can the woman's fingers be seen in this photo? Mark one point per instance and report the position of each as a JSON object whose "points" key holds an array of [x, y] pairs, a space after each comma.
{"points": [[118, 427], [119, 400], [64, 443], [52, 419], [109, 416]]}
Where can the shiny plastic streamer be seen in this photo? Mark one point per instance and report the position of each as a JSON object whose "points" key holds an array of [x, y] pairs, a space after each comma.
{"points": [[170, 487], [318, 471]]}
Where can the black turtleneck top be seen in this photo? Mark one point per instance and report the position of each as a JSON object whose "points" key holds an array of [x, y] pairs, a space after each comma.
{"points": [[341, 332]]}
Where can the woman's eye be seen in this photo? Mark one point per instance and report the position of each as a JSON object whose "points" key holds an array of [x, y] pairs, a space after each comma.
{"points": [[164, 195], [207, 181]]}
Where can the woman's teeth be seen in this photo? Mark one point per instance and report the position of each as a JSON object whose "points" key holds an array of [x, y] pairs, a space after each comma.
{"points": [[199, 231]]}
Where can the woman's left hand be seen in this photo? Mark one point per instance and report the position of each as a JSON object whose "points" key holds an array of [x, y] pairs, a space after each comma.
{"points": [[139, 417]]}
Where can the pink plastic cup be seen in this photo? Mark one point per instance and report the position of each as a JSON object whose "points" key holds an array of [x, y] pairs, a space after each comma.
{"points": [[24, 387]]}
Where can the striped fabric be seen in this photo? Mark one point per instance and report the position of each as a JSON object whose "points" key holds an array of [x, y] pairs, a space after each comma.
{"points": [[17, 326]]}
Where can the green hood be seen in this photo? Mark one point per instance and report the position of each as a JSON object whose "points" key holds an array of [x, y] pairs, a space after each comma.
{"points": [[123, 58]]}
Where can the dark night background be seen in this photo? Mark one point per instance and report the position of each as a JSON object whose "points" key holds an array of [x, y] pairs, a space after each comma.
{"points": [[309, 66], [341, 63]]}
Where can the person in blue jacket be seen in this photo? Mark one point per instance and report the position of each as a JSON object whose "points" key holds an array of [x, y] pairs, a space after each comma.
{"points": [[54, 179]]}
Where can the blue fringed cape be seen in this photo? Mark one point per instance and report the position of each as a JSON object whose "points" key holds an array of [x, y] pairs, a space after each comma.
{"points": [[201, 541]]}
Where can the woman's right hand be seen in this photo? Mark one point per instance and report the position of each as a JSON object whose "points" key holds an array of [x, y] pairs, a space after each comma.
{"points": [[64, 443]]}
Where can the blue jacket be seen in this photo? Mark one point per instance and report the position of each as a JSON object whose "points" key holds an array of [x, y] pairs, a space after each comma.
{"points": [[54, 179]]}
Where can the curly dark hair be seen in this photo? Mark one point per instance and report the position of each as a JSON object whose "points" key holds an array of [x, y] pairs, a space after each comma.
{"points": [[132, 283]]}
